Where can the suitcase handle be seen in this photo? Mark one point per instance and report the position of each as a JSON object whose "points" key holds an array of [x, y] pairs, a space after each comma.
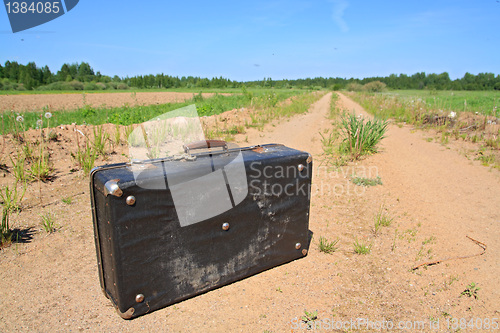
{"points": [[203, 144]]}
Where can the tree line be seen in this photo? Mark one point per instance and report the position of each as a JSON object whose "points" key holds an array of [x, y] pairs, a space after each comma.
{"points": [[81, 76]]}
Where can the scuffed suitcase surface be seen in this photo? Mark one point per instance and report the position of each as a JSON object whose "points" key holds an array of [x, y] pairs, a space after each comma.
{"points": [[147, 260]]}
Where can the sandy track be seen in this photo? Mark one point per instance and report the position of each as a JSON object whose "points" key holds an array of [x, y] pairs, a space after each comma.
{"points": [[301, 132], [50, 284], [21, 103], [451, 196]]}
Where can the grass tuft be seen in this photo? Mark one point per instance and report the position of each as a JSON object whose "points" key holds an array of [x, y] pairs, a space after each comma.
{"points": [[327, 246], [48, 223], [362, 181], [471, 291], [381, 220], [360, 137], [85, 158], [361, 247]]}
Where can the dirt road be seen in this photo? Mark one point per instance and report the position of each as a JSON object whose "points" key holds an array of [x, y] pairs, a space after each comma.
{"points": [[434, 196]]}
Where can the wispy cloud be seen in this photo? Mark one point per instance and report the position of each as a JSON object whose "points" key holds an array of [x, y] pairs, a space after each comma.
{"points": [[339, 7]]}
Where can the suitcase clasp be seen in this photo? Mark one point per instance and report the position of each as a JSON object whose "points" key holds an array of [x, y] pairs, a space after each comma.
{"points": [[111, 187]]}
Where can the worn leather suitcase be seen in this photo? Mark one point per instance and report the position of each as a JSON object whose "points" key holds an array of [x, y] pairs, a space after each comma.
{"points": [[169, 229]]}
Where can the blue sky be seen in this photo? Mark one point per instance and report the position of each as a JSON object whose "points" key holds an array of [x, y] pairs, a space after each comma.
{"points": [[250, 40]]}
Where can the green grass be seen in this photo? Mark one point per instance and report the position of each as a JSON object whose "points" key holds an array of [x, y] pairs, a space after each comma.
{"points": [[5, 232], [10, 200], [327, 246], [48, 223], [411, 105], [483, 102], [471, 291], [361, 247], [486, 160], [12, 196], [381, 220], [19, 169], [100, 140], [41, 167], [85, 157], [360, 135], [67, 200], [362, 181], [309, 318]]}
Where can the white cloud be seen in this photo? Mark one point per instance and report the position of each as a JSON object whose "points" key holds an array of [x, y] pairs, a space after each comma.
{"points": [[339, 6]]}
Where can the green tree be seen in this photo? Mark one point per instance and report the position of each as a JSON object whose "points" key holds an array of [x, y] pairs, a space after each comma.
{"points": [[85, 73], [63, 73]]}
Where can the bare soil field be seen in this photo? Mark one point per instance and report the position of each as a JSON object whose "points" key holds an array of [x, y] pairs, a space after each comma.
{"points": [[435, 197], [22, 103]]}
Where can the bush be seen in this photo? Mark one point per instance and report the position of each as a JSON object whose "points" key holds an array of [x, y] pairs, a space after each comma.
{"points": [[5, 84], [75, 85], [100, 86], [90, 86], [336, 87], [354, 87], [122, 86], [375, 86], [111, 85]]}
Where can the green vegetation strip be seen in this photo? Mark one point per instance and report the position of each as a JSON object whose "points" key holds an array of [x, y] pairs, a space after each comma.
{"points": [[12, 122], [407, 105]]}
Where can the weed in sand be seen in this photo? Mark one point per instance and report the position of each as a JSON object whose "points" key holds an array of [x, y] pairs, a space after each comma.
{"points": [[327, 246], [486, 160], [328, 140], [362, 181], [67, 200], [19, 169], [381, 220], [100, 139], [41, 168], [409, 234], [48, 223], [5, 232], [360, 137], [393, 247], [85, 158], [10, 201], [118, 135], [445, 138], [431, 239], [27, 151], [309, 318], [12, 197], [362, 247], [471, 291]]}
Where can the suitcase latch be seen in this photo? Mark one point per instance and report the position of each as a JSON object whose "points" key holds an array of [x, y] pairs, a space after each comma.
{"points": [[111, 187]]}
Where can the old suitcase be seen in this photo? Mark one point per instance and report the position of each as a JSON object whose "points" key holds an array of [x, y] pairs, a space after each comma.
{"points": [[169, 229]]}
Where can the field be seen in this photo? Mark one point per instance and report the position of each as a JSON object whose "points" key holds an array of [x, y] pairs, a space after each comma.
{"points": [[483, 102], [123, 108], [390, 222]]}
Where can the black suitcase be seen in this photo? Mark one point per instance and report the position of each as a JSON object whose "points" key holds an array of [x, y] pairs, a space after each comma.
{"points": [[169, 229]]}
